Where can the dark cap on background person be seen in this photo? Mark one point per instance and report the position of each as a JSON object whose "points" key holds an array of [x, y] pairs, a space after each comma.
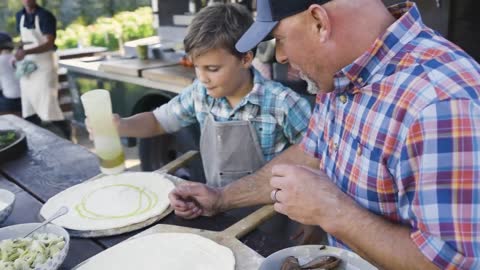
{"points": [[269, 13], [6, 41]]}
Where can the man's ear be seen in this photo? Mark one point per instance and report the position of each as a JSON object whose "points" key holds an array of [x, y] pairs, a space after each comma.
{"points": [[247, 59], [318, 15]]}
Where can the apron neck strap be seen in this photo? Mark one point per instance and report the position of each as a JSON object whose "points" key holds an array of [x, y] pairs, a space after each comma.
{"points": [[211, 105]]}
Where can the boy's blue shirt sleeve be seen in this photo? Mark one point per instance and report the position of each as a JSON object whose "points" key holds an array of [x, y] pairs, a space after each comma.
{"points": [[179, 112], [298, 112]]}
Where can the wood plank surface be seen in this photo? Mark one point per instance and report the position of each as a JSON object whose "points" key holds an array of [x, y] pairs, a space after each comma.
{"points": [[179, 75], [134, 67]]}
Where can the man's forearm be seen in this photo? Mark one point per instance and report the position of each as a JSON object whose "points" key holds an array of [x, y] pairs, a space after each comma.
{"points": [[142, 125], [39, 49], [255, 189], [383, 243], [45, 47]]}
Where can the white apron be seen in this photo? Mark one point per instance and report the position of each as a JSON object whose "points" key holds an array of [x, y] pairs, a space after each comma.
{"points": [[40, 88]]}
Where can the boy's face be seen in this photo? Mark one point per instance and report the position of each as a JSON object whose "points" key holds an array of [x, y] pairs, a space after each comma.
{"points": [[221, 73]]}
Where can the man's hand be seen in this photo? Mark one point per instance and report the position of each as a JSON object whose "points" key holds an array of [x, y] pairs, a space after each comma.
{"points": [[20, 54], [307, 196], [194, 199]]}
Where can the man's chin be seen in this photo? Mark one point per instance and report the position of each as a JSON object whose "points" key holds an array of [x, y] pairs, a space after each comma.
{"points": [[312, 86]]}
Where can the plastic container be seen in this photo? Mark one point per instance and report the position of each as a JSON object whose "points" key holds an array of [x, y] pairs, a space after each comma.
{"points": [[98, 109]]}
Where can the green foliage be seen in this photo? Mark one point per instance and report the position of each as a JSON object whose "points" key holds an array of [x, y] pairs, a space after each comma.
{"points": [[108, 32], [82, 12]]}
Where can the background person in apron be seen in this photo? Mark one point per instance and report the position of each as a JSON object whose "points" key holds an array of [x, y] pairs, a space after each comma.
{"points": [[37, 28], [9, 84]]}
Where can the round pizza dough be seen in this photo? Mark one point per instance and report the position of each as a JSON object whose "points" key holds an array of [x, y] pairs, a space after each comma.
{"points": [[111, 202], [172, 251]]}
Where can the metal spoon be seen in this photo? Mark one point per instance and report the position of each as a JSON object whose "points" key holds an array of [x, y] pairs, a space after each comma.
{"points": [[62, 211]]}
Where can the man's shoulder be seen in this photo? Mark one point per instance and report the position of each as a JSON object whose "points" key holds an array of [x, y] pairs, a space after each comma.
{"points": [[42, 12], [434, 68]]}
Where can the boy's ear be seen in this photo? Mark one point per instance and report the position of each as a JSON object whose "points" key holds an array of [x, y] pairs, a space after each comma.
{"points": [[247, 59]]}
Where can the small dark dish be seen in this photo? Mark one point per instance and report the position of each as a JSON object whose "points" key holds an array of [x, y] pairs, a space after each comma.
{"points": [[13, 143]]}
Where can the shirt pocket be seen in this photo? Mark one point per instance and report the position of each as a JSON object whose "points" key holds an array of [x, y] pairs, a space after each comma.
{"points": [[267, 130], [366, 176]]}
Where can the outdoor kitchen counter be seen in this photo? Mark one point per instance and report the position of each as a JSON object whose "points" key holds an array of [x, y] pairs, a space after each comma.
{"points": [[92, 68], [53, 164]]}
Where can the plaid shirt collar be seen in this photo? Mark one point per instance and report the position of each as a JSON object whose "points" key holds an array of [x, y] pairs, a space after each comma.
{"points": [[258, 91], [254, 97], [407, 26]]}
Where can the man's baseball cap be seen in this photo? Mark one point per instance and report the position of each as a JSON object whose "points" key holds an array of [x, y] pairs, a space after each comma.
{"points": [[269, 13], [6, 41]]}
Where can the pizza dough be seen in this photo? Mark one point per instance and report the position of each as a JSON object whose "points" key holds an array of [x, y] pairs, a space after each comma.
{"points": [[172, 251], [111, 202]]}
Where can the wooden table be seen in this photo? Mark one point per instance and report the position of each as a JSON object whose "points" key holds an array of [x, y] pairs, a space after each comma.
{"points": [[53, 164]]}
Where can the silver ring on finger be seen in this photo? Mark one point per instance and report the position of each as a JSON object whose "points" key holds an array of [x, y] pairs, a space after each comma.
{"points": [[274, 195]]}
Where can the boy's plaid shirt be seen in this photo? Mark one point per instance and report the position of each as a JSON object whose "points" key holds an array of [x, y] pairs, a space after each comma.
{"points": [[278, 114]]}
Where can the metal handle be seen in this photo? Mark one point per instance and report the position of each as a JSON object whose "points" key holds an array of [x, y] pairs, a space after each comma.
{"points": [[62, 211]]}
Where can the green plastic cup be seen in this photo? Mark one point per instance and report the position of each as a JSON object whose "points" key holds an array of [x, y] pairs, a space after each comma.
{"points": [[142, 52]]}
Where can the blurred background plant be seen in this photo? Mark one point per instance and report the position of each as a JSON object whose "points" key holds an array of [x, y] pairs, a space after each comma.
{"points": [[83, 23], [108, 32]]}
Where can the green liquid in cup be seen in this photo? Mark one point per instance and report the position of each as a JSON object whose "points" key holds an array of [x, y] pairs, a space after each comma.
{"points": [[113, 162], [142, 52]]}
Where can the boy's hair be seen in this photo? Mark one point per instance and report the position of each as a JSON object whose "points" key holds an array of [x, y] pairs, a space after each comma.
{"points": [[217, 26]]}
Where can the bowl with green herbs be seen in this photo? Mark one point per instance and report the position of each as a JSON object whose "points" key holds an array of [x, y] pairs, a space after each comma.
{"points": [[45, 249], [13, 143]]}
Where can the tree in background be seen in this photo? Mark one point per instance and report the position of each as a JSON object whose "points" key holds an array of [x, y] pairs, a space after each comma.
{"points": [[8, 8], [68, 11]]}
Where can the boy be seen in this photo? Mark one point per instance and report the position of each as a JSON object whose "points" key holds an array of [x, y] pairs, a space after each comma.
{"points": [[245, 120], [10, 101]]}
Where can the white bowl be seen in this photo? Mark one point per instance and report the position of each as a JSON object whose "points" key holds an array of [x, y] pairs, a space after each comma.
{"points": [[304, 254], [8, 198], [20, 230]]}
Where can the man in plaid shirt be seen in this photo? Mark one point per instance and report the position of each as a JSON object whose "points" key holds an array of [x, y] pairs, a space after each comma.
{"points": [[395, 134]]}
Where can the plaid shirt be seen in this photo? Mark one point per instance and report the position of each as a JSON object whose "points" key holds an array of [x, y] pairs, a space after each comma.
{"points": [[400, 134], [276, 112]]}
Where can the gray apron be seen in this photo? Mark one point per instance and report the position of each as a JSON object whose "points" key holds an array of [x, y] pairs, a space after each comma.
{"points": [[230, 150]]}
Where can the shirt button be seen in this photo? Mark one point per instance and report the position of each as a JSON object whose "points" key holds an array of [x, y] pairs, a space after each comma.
{"points": [[343, 99], [335, 147], [360, 80], [359, 151]]}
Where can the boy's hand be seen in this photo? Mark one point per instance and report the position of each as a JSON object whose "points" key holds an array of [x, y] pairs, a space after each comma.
{"points": [[116, 119], [194, 199]]}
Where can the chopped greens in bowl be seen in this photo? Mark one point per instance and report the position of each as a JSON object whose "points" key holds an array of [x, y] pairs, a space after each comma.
{"points": [[44, 250], [7, 137]]}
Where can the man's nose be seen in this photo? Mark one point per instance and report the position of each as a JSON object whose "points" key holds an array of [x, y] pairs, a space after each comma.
{"points": [[280, 56]]}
